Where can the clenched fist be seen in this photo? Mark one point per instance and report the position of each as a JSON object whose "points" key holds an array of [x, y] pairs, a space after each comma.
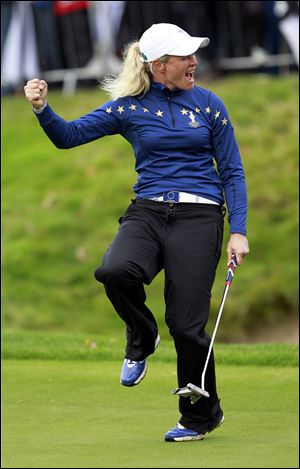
{"points": [[36, 92]]}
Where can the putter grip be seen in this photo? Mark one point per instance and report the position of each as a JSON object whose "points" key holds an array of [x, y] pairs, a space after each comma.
{"points": [[231, 270]]}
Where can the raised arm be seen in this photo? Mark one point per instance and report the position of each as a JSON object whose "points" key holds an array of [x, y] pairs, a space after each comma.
{"points": [[62, 133]]}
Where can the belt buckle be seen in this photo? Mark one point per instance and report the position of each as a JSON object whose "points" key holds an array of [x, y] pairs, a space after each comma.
{"points": [[171, 196]]}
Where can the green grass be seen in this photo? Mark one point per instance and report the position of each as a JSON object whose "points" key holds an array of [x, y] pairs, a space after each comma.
{"points": [[60, 211], [93, 347], [63, 406]]}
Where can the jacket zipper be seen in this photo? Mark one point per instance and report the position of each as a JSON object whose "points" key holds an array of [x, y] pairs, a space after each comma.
{"points": [[171, 112]]}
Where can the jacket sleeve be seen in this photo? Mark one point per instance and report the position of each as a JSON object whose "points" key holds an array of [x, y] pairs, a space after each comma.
{"points": [[87, 128], [229, 166]]}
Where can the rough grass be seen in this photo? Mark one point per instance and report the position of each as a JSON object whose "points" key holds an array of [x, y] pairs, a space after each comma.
{"points": [[60, 212], [93, 347]]}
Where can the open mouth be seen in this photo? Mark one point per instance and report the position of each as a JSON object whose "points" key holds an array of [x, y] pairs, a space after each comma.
{"points": [[190, 76]]}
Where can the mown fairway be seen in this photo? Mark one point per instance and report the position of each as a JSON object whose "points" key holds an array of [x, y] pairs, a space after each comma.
{"points": [[64, 413]]}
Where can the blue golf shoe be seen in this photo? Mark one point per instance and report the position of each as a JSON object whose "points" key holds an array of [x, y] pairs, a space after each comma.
{"points": [[134, 371], [180, 433]]}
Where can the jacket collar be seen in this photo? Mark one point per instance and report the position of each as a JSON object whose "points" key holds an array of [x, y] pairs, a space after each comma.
{"points": [[159, 89]]}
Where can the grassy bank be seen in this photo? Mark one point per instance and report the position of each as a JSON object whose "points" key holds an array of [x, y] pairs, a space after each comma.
{"points": [[93, 347], [60, 212]]}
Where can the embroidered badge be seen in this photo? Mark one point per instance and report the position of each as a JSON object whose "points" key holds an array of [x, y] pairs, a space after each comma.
{"points": [[193, 122]]}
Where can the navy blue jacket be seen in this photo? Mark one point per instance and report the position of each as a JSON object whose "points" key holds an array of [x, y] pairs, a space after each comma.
{"points": [[182, 141]]}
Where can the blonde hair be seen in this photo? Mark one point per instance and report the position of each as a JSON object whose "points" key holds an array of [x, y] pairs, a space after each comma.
{"points": [[135, 76]]}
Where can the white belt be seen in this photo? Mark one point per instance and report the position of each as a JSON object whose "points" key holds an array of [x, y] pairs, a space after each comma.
{"points": [[175, 196]]}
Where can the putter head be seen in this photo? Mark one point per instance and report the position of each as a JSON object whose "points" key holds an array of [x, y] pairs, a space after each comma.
{"points": [[192, 391]]}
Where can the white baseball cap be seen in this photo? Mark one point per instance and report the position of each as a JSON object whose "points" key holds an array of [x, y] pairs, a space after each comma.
{"points": [[168, 39]]}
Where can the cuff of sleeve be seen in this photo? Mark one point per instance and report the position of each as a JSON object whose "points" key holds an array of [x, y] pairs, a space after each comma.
{"points": [[38, 111], [240, 231]]}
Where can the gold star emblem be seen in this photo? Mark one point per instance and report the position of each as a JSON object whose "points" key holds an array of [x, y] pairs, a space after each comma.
{"points": [[145, 109], [132, 107], [120, 109], [224, 121], [197, 110], [159, 113], [184, 112], [108, 109], [207, 110], [217, 114]]}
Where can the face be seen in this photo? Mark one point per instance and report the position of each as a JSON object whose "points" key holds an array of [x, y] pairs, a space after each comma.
{"points": [[177, 72]]}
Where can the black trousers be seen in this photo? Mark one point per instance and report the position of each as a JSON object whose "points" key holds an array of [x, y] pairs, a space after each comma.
{"points": [[185, 240]]}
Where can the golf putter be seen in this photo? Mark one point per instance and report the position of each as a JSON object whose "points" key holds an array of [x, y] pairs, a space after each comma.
{"points": [[191, 390]]}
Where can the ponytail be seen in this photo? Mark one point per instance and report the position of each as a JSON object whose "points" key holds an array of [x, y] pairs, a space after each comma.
{"points": [[134, 78]]}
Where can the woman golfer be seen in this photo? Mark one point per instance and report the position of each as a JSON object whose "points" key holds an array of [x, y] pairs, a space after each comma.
{"points": [[188, 165]]}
